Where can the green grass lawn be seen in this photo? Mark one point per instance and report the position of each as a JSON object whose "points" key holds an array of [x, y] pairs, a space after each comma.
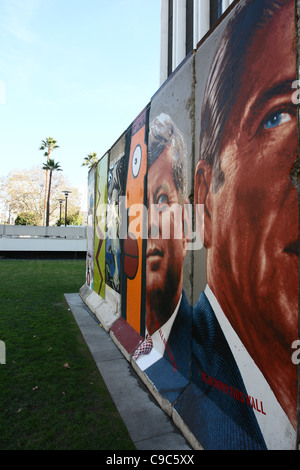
{"points": [[44, 404]]}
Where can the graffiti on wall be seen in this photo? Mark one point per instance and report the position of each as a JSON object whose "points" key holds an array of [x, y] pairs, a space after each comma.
{"points": [[100, 226], [90, 229], [134, 244], [221, 356], [115, 190]]}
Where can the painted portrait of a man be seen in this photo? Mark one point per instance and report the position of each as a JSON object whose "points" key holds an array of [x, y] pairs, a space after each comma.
{"points": [[165, 355], [246, 320]]}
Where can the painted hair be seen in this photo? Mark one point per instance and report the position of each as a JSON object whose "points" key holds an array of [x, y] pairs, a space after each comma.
{"points": [[163, 133], [224, 80]]}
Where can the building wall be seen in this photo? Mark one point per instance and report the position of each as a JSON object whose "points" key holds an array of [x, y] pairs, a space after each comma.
{"points": [[212, 158], [31, 238], [183, 24]]}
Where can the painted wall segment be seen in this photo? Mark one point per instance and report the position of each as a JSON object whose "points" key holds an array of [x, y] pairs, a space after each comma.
{"points": [[134, 244], [168, 314], [115, 190], [90, 229], [247, 146], [168, 262], [100, 226]]}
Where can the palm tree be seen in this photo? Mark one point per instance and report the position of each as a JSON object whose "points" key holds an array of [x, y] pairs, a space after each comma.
{"points": [[49, 144], [90, 160], [50, 166]]}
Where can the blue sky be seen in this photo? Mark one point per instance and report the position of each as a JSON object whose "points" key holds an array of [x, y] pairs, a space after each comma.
{"points": [[79, 71]]}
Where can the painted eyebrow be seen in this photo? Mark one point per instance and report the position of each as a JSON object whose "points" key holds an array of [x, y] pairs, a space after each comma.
{"points": [[282, 88]]}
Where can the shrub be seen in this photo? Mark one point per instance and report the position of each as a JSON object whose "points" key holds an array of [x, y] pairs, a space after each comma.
{"points": [[28, 218]]}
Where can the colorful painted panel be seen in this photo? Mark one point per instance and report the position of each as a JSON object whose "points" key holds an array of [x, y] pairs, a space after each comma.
{"points": [[115, 190], [134, 244], [100, 227], [90, 229], [246, 319]]}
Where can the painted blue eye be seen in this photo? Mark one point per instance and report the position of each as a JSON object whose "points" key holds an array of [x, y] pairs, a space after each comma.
{"points": [[163, 201], [277, 119]]}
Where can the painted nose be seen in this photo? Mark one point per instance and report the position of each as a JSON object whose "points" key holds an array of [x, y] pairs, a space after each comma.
{"points": [[153, 222]]}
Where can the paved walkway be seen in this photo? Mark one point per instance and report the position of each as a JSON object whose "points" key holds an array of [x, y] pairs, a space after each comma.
{"points": [[149, 427]]}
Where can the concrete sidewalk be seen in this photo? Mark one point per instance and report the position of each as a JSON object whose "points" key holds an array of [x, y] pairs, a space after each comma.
{"points": [[148, 425]]}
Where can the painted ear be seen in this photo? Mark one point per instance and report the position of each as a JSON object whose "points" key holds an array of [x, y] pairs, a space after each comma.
{"points": [[202, 187], [203, 179]]}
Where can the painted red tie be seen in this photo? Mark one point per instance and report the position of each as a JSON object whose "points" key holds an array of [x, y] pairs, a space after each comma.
{"points": [[144, 348]]}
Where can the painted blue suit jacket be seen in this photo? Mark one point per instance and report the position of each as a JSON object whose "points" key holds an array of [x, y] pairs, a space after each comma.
{"points": [[197, 344], [171, 374], [219, 420]]}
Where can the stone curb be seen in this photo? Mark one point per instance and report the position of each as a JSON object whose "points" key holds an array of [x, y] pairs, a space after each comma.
{"points": [[127, 340]]}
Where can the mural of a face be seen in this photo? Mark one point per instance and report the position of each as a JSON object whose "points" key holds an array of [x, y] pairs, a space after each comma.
{"points": [[164, 257], [251, 224]]}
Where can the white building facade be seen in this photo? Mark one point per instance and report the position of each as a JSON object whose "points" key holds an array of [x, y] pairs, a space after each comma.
{"points": [[183, 24]]}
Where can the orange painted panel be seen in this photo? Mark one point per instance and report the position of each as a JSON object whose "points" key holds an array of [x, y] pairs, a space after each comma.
{"points": [[133, 246]]}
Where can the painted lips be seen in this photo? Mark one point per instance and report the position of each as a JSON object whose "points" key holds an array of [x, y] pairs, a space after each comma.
{"points": [[151, 252]]}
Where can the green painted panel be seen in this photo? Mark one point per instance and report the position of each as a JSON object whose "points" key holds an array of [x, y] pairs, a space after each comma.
{"points": [[100, 226]]}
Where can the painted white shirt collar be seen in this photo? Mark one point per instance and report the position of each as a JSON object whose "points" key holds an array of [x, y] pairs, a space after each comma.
{"points": [[160, 338], [275, 425]]}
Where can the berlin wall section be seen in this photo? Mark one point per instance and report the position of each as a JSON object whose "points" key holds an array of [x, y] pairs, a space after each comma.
{"points": [[193, 229]]}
